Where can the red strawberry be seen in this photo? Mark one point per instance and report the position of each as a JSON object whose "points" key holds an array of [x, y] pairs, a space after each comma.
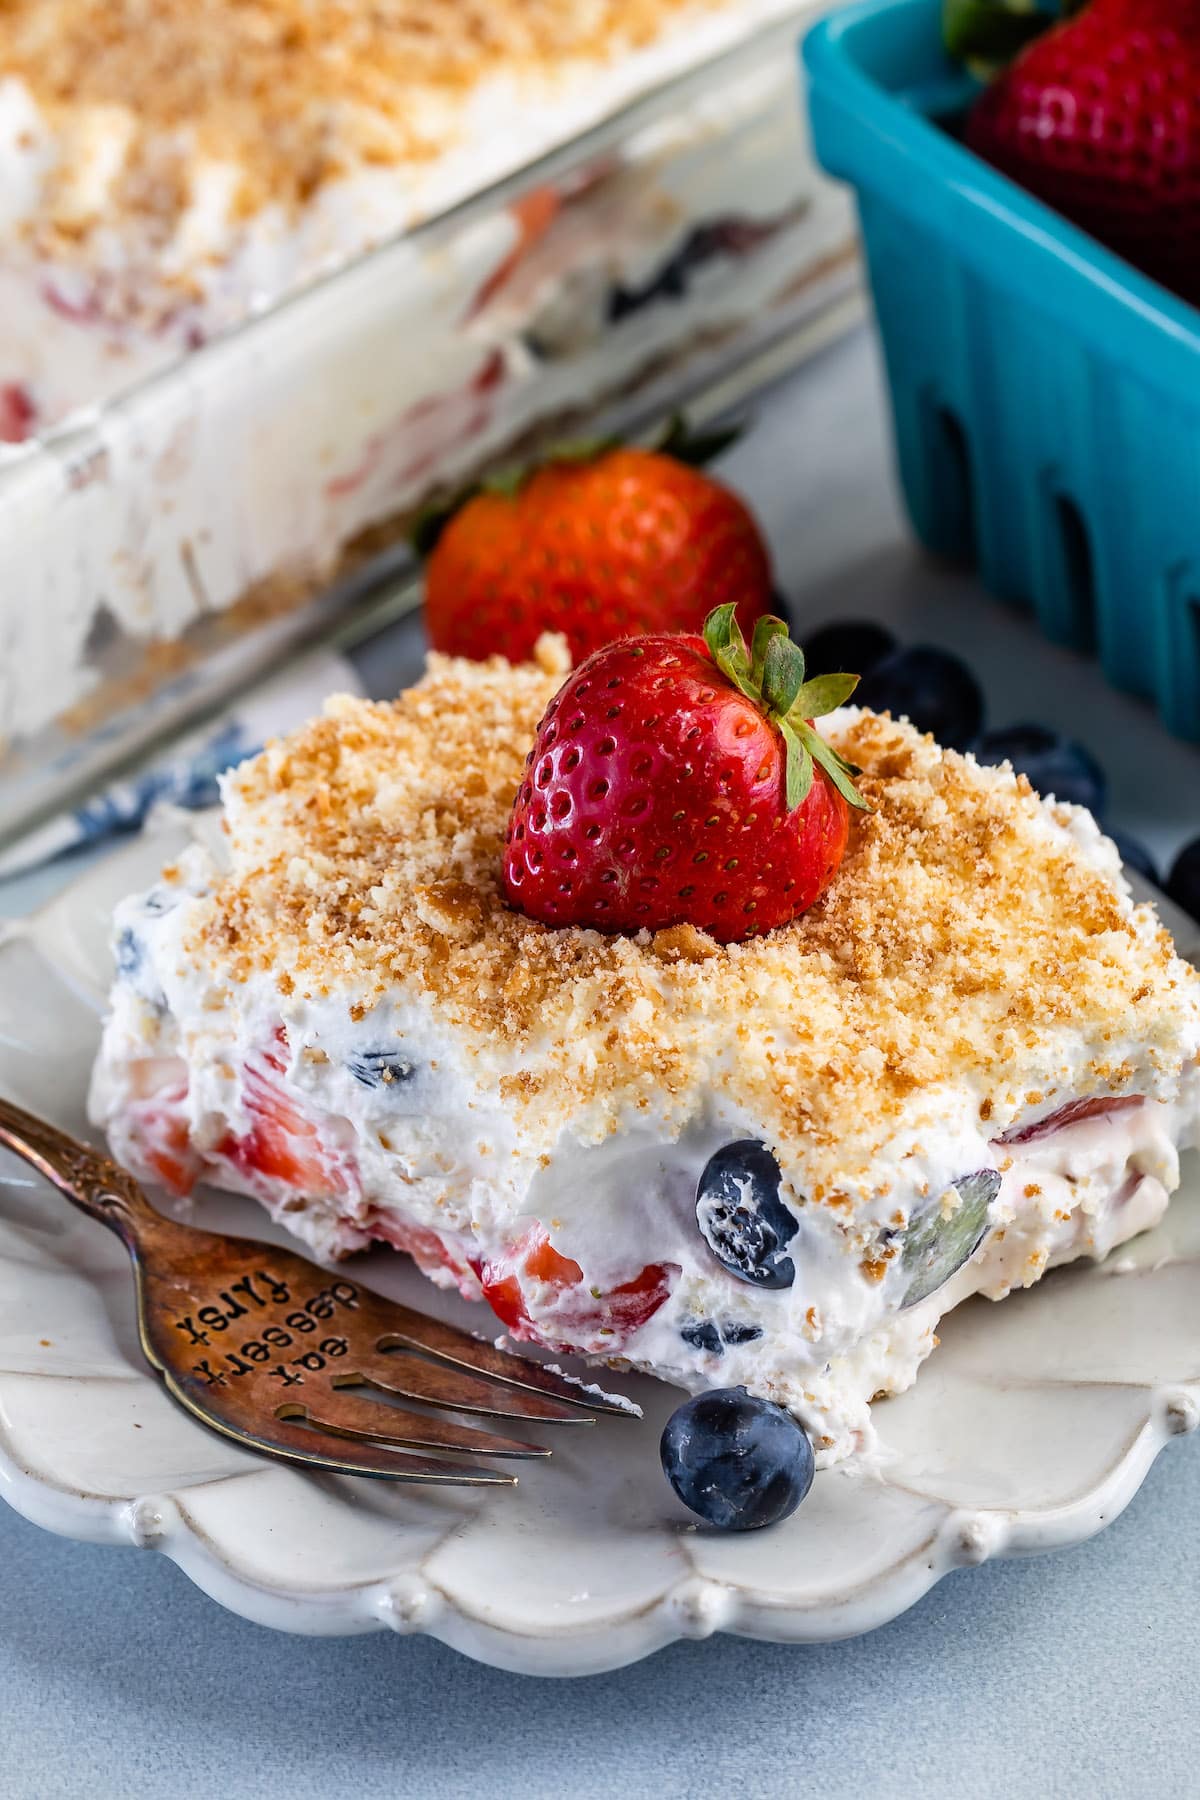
{"points": [[678, 779], [1100, 117], [625, 541], [17, 413], [570, 1316], [283, 1143]]}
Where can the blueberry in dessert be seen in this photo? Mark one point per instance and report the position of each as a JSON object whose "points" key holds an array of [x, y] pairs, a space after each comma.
{"points": [[742, 1218], [700, 1022]]}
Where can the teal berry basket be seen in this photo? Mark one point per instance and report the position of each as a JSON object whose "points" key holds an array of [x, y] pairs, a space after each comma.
{"points": [[1046, 396]]}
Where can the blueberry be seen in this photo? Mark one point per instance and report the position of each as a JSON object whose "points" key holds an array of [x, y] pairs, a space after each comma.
{"points": [[737, 1461], [744, 1221], [1183, 883], [702, 1334], [380, 1068], [936, 1247], [733, 1333], [1136, 856], [128, 952], [1054, 764], [851, 646], [931, 687]]}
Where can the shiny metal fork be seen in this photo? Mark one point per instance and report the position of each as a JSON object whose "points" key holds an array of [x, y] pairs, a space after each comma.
{"points": [[286, 1358]]}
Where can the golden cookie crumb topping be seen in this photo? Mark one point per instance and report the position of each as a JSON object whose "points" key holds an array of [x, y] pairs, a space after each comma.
{"points": [[975, 937]]}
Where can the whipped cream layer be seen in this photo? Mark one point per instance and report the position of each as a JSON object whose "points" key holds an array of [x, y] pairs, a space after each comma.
{"points": [[531, 1114], [129, 237], [422, 1161]]}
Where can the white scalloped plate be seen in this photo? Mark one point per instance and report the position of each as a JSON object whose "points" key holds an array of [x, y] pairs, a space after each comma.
{"points": [[1032, 1426]]}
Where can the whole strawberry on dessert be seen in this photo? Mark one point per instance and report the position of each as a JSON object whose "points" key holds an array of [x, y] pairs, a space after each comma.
{"points": [[598, 545], [678, 779], [1100, 118]]}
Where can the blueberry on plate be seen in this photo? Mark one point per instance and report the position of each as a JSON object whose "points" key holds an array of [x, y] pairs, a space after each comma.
{"points": [[736, 1461], [744, 1220], [931, 687], [851, 645], [936, 1245], [1053, 764], [1136, 856], [1183, 883], [381, 1068]]}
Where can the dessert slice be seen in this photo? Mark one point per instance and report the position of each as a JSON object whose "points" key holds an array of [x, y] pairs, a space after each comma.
{"points": [[774, 1162]]}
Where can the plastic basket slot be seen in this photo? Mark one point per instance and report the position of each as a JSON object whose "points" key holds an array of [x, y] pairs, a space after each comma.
{"points": [[1072, 617], [950, 466]]}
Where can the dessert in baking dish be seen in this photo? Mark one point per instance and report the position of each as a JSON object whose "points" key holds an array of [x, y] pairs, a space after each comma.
{"points": [[166, 171], [773, 1162], [682, 235]]}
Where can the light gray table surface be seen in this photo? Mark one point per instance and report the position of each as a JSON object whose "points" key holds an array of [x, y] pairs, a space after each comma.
{"points": [[1072, 1675]]}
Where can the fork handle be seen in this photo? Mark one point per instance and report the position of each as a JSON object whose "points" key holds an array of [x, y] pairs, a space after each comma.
{"points": [[92, 1182]]}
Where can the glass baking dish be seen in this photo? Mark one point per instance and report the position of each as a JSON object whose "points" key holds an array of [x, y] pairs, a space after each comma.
{"points": [[180, 538]]}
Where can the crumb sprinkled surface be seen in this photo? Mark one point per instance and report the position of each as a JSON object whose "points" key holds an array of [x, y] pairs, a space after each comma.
{"points": [[289, 94], [973, 935]]}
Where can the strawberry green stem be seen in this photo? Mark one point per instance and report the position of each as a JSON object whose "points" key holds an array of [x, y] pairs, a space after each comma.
{"points": [[989, 33], [772, 674]]}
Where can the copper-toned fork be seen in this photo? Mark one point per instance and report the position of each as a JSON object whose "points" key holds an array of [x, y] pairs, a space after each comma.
{"points": [[287, 1358]]}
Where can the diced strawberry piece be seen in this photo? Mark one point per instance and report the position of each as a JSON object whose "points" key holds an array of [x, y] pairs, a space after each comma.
{"points": [[1075, 1112], [432, 1254], [173, 1160], [539, 1295], [533, 214], [284, 1143], [158, 1127], [17, 413]]}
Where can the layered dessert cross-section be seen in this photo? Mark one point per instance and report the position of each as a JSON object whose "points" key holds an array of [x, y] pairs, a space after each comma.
{"points": [[167, 171], [774, 1163]]}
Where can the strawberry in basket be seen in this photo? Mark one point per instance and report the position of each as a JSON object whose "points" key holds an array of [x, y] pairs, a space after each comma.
{"points": [[1099, 116]]}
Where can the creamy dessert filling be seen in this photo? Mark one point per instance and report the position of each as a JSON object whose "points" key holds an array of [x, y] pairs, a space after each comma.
{"points": [[773, 1164], [167, 173]]}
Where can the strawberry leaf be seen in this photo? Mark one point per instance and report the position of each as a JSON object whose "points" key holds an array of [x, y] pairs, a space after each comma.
{"points": [[696, 448], [782, 675], [991, 32], [823, 695], [766, 628], [839, 771], [727, 647], [798, 776], [573, 450], [772, 675]]}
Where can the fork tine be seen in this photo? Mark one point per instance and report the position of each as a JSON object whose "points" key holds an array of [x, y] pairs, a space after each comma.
{"points": [[348, 1415], [413, 1377], [311, 1447], [414, 1331]]}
